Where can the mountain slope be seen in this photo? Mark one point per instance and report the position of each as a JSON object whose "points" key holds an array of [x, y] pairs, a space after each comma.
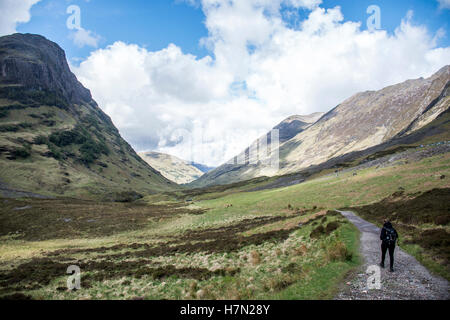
{"points": [[293, 125], [364, 120], [171, 167], [202, 167], [370, 118], [54, 139], [230, 172]]}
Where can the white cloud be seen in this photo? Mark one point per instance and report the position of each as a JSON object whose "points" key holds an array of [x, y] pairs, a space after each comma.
{"points": [[309, 4], [444, 4], [82, 37], [14, 12], [262, 72]]}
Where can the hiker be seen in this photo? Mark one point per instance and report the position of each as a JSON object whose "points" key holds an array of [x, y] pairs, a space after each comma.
{"points": [[388, 238]]}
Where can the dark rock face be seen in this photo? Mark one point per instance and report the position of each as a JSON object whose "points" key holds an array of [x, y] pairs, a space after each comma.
{"points": [[35, 62], [288, 130]]}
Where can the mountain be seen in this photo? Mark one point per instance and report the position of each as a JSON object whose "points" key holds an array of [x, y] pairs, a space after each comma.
{"points": [[171, 167], [54, 139], [229, 172], [202, 167], [290, 127], [362, 121]]}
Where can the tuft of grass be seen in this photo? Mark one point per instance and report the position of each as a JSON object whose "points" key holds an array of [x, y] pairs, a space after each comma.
{"points": [[323, 278], [255, 258]]}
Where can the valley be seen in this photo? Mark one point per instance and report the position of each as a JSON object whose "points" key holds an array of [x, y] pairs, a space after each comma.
{"points": [[151, 226], [274, 243]]}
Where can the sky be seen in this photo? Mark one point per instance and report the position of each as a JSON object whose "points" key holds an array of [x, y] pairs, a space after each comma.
{"points": [[202, 79]]}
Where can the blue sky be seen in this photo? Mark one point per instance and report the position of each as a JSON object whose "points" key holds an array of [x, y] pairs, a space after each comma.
{"points": [[151, 24], [157, 23]]}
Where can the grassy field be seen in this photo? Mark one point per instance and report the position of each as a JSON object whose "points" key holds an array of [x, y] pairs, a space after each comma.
{"points": [[284, 243]]}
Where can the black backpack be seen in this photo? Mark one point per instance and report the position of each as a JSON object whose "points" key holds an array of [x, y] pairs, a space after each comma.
{"points": [[391, 235]]}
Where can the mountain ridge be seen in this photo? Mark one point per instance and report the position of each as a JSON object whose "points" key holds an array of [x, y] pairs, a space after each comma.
{"points": [[173, 168], [286, 129], [54, 139], [363, 120]]}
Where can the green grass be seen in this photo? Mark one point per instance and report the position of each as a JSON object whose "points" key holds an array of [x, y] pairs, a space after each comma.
{"points": [[61, 153], [425, 259], [325, 280], [285, 263], [252, 281], [328, 192]]}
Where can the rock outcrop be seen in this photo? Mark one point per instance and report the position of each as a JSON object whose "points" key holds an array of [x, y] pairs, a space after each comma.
{"points": [[35, 62]]}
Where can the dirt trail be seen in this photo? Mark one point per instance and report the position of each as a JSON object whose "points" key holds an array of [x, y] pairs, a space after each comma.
{"points": [[410, 280]]}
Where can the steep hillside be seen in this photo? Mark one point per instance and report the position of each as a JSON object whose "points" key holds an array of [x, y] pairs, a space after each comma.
{"points": [[368, 119], [230, 172], [54, 139], [171, 167], [293, 125], [364, 120]]}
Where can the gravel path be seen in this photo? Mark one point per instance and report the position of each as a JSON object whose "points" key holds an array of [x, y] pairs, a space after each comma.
{"points": [[410, 280]]}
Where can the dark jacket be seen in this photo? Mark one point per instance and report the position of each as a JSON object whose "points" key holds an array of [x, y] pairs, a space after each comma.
{"points": [[387, 225]]}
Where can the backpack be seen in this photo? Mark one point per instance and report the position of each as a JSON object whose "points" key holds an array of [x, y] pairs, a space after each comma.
{"points": [[391, 235]]}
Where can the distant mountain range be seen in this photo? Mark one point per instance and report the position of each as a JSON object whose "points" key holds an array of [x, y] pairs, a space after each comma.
{"points": [[173, 168], [54, 139], [202, 167], [362, 121]]}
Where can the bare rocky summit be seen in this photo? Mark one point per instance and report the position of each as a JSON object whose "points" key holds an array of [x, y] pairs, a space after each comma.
{"points": [[33, 61], [367, 119], [235, 170]]}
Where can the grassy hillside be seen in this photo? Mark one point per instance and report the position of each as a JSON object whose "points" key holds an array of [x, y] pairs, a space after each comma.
{"points": [[273, 243], [49, 149], [54, 139]]}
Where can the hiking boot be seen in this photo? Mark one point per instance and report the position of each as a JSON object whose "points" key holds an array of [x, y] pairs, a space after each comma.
{"points": [[382, 264], [391, 269]]}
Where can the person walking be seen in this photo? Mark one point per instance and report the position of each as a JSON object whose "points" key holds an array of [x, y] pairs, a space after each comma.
{"points": [[388, 237]]}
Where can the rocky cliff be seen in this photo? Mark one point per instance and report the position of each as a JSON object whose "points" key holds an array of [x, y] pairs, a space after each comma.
{"points": [[33, 61]]}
